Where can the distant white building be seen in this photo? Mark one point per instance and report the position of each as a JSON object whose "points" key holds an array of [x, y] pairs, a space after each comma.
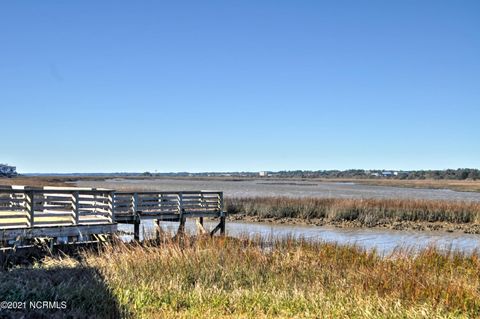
{"points": [[390, 173], [6, 170], [263, 174], [383, 173]]}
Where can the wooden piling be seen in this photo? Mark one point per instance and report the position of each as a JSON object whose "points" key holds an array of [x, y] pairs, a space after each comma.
{"points": [[222, 225], [181, 226], [136, 229], [158, 229]]}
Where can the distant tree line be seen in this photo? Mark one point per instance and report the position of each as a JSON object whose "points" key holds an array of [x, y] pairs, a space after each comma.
{"points": [[451, 174]]}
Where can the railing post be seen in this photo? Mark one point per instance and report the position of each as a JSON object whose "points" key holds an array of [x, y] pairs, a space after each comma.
{"points": [[30, 200], [135, 203], [180, 203], [220, 202], [136, 218], [11, 202], [76, 207], [222, 214], [181, 226], [111, 206]]}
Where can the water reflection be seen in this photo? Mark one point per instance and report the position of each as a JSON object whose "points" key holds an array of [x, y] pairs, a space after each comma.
{"points": [[384, 241]]}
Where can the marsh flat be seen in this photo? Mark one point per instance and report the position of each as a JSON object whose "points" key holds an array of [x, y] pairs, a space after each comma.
{"points": [[290, 188]]}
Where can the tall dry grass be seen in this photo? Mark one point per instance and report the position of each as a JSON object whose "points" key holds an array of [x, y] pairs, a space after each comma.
{"points": [[287, 278], [248, 278], [366, 211]]}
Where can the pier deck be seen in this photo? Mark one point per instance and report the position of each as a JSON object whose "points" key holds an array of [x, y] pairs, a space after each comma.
{"points": [[78, 214]]}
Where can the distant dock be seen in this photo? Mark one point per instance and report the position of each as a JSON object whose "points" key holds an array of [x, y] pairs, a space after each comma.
{"points": [[70, 215]]}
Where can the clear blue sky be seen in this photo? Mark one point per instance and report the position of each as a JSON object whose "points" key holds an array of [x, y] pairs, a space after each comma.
{"points": [[105, 86]]}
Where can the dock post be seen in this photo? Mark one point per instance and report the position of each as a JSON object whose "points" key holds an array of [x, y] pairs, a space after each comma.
{"points": [[222, 225], [181, 226], [136, 228], [157, 229]]}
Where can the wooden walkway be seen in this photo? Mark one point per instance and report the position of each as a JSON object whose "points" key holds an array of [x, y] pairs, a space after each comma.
{"points": [[134, 207], [29, 214]]}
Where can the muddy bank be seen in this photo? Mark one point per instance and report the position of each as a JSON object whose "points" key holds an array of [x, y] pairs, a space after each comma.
{"points": [[382, 224]]}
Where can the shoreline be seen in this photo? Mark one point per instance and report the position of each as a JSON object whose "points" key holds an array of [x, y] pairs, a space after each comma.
{"points": [[467, 228]]}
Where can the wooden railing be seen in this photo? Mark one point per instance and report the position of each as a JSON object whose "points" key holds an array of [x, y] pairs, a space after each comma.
{"points": [[159, 203], [28, 207], [79, 213]]}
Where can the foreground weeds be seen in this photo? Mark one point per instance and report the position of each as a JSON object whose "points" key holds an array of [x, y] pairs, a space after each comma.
{"points": [[230, 278]]}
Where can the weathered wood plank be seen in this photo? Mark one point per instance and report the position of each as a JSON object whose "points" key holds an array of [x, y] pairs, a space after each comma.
{"points": [[62, 231], [13, 216]]}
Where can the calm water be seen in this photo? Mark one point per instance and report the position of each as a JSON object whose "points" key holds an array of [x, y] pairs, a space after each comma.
{"points": [[385, 241]]}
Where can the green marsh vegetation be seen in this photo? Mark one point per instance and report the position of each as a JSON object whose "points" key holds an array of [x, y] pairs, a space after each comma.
{"points": [[365, 212]]}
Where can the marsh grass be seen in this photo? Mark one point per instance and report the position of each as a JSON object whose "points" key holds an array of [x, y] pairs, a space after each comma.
{"points": [[366, 211], [456, 185], [250, 278], [292, 278]]}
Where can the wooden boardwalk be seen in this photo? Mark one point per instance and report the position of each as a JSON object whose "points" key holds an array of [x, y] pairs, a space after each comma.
{"points": [[134, 207], [28, 214]]}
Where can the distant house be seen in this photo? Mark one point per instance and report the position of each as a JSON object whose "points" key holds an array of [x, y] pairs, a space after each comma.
{"points": [[263, 174], [8, 171], [383, 173]]}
